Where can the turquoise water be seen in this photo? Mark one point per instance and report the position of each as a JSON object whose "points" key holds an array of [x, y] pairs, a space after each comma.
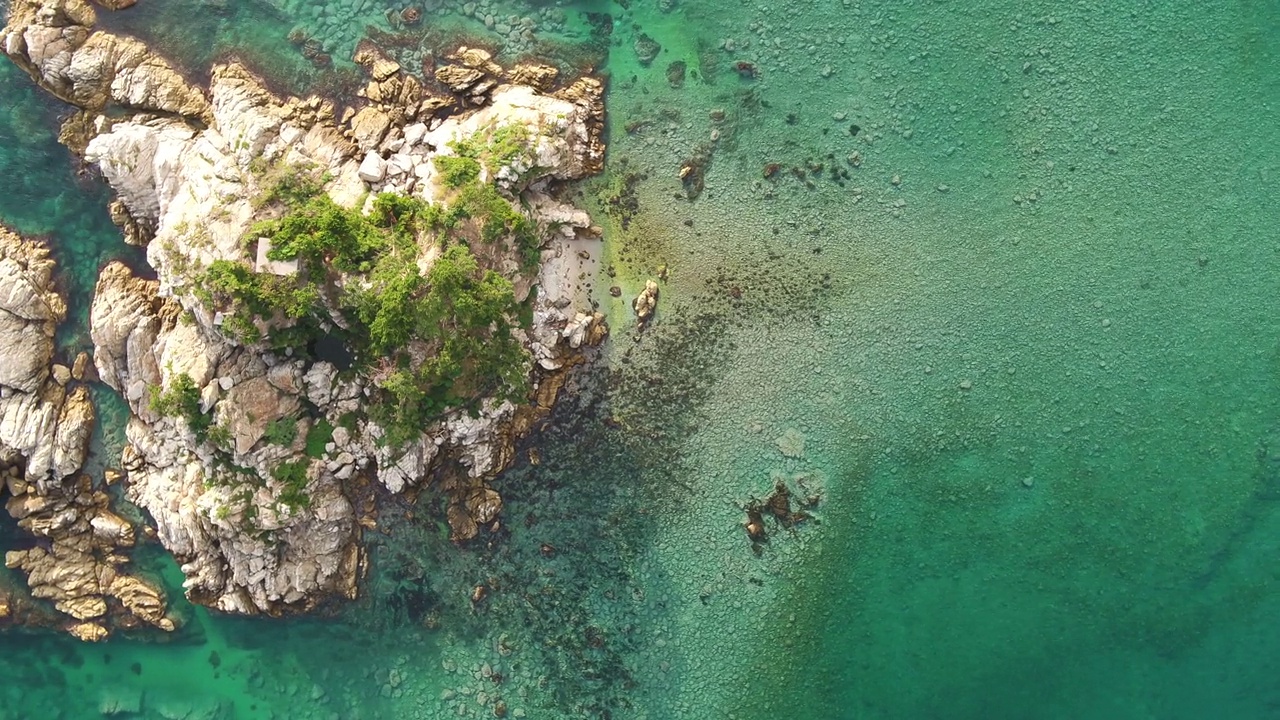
{"points": [[1034, 383]]}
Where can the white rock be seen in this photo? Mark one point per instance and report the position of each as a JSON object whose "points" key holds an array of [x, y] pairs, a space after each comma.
{"points": [[373, 168]]}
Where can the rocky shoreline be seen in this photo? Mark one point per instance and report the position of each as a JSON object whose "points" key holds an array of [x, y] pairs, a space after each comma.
{"points": [[79, 561], [191, 168]]}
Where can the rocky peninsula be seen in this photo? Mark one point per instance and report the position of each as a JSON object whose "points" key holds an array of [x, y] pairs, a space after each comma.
{"points": [[341, 304]]}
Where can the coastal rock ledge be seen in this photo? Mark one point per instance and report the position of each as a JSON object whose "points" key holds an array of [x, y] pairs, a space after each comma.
{"points": [[79, 562], [276, 388]]}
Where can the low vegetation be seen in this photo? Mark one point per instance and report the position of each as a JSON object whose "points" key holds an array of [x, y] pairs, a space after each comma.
{"points": [[282, 431], [182, 399], [432, 341], [320, 434], [292, 477]]}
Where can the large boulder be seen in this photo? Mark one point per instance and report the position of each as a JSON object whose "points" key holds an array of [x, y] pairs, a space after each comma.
{"points": [[30, 310], [42, 420], [54, 41]]}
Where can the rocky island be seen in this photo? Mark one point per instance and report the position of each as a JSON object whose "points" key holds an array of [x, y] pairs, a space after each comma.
{"points": [[340, 304]]}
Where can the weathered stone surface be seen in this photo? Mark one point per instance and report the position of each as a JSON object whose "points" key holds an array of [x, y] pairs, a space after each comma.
{"points": [[252, 405], [369, 126], [373, 168], [457, 78], [88, 631], [41, 419], [30, 311], [536, 75], [80, 567]]}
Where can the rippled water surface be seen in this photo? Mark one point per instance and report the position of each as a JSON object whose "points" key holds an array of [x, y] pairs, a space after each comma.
{"points": [[988, 286]]}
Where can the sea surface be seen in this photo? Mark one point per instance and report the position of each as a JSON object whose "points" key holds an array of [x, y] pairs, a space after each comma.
{"points": [[990, 287]]}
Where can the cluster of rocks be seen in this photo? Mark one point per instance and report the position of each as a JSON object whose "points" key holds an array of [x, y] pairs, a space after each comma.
{"points": [[406, 124], [328, 30], [80, 560], [186, 166], [518, 33]]}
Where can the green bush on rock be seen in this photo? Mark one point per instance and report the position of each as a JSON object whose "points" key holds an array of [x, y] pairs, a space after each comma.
{"points": [[321, 234], [281, 431], [292, 476], [320, 434], [465, 316], [432, 342], [456, 170], [182, 399], [495, 147]]}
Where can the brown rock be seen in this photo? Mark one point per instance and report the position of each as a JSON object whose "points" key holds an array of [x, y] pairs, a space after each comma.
{"points": [[249, 407], [435, 106], [536, 75], [477, 58], [368, 127], [588, 94], [599, 330], [88, 631], [143, 601], [462, 527], [61, 374], [135, 233], [82, 369], [384, 68], [457, 78], [484, 505]]}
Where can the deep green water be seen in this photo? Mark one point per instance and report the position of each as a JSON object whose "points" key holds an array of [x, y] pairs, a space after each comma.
{"points": [[1037, 381]]}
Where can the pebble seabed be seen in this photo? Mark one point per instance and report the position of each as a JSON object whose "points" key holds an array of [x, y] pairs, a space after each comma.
{"points": [[987, 286]]}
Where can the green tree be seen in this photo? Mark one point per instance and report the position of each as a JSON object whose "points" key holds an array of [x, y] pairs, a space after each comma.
{"points": [[182, 399]]}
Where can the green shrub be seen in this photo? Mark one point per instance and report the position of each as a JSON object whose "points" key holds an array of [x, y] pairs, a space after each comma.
{"points": [[498, 219], [219, 436], [444, 340], [247, 295], [182, 399], [321, 233], [456, 170], [281, 431], [292, 476], [320, 434], [290, 185], [406, 217], [466, 315], [495, 148]]}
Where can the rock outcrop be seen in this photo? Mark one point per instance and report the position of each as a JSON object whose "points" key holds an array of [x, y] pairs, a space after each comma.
{"points": [[37, 421], [262, 524], [46, 420], [53, 40]]}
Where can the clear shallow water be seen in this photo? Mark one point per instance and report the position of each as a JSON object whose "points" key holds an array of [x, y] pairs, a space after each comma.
{"points": [[1036, 381]]}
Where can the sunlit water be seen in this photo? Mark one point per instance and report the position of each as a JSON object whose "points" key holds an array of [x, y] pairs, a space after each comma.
{"points": [[1023, 347]]}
